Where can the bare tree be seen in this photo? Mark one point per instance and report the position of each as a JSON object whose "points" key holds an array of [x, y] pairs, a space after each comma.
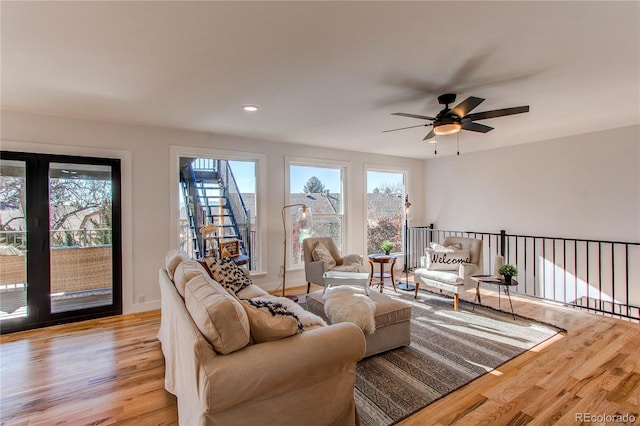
{"points": [[75, 204], [12, 199], [389, 188]]}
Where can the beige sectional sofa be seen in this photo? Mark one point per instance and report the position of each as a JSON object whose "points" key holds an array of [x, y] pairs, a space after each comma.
{"points": [[222, 376]]}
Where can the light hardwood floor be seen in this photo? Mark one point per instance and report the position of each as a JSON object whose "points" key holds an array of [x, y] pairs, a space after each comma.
{"points": [[111, 371]]}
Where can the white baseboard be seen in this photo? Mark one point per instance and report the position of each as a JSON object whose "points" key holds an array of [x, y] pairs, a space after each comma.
{"points": [[141, 307]]}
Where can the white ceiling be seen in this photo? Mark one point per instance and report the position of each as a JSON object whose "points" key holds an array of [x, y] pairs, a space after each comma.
{"points": [[327, 73]]}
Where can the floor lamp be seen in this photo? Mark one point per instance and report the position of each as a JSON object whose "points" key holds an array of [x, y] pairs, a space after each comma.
{"points": [[303, 216], [407, 212]]}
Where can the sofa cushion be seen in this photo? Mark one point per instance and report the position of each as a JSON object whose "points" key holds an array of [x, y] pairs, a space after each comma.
{"points": [[185, 271], [218, 315], [321, 253], [447, 261], [351, 267], [228, 274], [441, 276], [270, 320], [173, 259]]}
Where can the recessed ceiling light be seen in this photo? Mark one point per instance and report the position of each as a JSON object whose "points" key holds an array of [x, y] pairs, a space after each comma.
{"points": [[250, 108]]}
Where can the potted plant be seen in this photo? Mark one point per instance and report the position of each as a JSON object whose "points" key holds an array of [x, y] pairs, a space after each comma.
{"points": [[507, 270], [386, 246]]}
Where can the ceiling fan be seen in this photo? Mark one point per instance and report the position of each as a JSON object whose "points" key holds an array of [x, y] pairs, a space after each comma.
{"points": [[450, 121]]}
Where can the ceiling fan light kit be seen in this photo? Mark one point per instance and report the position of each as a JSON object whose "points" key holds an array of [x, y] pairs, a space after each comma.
{"points": [[450, 121], [447, 126]]}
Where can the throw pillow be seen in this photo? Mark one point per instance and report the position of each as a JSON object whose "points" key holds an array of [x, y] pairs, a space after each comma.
{"points": [[321, 253], [447, 261], [251, 292], [218, 315], [228, 274], [270, 320], [308, 319]]}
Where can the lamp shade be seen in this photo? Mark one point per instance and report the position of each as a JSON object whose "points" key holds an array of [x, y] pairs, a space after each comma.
{"points": [[407, 208], [304, 217]]}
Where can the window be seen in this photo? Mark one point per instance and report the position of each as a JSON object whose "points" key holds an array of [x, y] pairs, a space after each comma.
{"points": [[385, 209], [321, 188], [219, 188]]}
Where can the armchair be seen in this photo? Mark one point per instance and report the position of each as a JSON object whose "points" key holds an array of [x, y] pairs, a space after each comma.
{"points": [[315, 269], [458, 279]]}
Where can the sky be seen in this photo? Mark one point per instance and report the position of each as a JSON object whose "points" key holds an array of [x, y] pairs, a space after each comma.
{"points": [[330, 178], [299, 176], [244, 172]]}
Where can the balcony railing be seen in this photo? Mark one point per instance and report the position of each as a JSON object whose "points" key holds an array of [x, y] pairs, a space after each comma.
{"points": [[84, 264], [597, 275]]}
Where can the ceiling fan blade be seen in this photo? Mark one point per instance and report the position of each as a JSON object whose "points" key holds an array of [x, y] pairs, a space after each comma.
{"points": [[497, 113], [431, 135], [476, 127], [423, 117], [402, 128], [464, 107]]}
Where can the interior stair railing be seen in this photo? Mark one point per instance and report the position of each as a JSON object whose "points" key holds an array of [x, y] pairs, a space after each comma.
{"points": [[595, 275]]}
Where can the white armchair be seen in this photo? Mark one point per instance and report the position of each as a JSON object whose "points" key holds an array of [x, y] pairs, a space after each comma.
{"points": [[314, 267], [457, 278]]}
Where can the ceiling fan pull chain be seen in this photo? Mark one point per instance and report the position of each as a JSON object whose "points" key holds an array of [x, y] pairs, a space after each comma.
{"points": [[435, 148], [458, 140]]}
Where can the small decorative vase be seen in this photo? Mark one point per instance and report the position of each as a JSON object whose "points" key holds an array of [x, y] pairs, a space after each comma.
{"points": [[507, 279], [387, 252]]}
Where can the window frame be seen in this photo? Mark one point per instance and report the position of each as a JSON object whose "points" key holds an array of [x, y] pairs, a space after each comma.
{"points": [[405, 172], [344, 168], [178, 151]]}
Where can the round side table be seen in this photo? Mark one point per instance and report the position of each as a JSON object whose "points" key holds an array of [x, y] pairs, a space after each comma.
{"points": [[382, 259]]}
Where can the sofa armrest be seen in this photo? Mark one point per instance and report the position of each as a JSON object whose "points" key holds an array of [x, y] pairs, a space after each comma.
{"points": [[267, 370], [465, 271], [314, 271]]}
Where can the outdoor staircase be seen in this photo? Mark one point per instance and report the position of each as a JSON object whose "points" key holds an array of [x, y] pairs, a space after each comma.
{"points": [[208, 201]]}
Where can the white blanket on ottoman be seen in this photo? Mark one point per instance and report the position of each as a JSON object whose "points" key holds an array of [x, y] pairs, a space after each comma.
{"points": [[350, 304]]}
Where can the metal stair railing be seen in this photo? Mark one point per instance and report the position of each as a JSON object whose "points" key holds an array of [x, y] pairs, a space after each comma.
{"points": [[193, 206], [595, 275], [206, 171], [239, 214]]}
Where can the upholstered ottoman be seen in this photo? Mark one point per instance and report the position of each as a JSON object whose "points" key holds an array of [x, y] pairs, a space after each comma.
{"points": [[393, 321]]}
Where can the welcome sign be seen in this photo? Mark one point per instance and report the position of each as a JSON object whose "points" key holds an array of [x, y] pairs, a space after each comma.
{"points": [[447, 261]]}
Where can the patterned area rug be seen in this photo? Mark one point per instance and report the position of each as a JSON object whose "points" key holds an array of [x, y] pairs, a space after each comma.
{"points": [[448, 350]]}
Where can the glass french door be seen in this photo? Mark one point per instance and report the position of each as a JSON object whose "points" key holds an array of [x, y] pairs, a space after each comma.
{"points": [[60, 243]]}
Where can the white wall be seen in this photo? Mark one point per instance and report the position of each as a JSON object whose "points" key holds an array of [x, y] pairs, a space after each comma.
{"points": [[145, 151], [582, 186]]}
